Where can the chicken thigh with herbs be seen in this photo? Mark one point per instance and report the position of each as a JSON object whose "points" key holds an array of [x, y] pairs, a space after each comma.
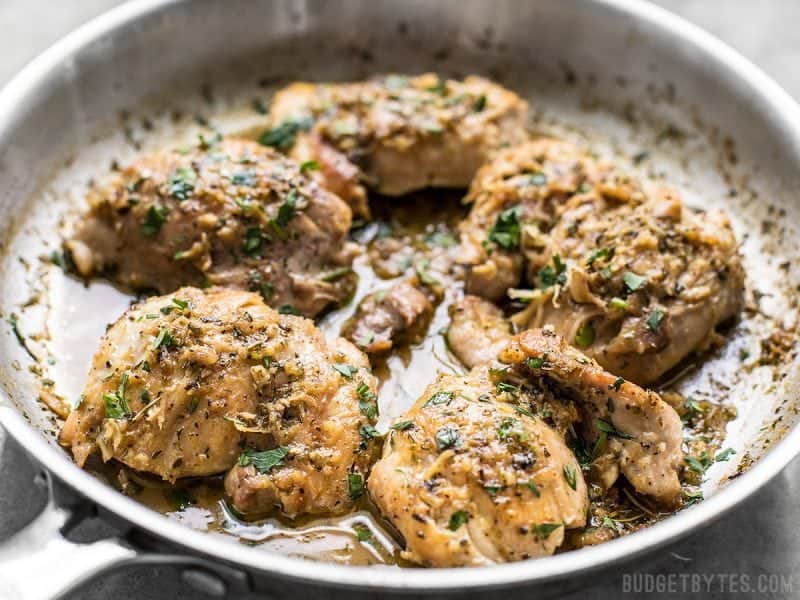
{"points": [[631, 430], [230, 213], [194, 383], [468, 478], [396, 134], [632, 276]]}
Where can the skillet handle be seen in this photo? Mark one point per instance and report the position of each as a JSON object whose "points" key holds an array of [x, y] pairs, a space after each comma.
{"points": [[40, 563]]}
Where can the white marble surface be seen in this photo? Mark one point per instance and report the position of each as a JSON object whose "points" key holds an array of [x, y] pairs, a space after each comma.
{"points": [[759, 538]]}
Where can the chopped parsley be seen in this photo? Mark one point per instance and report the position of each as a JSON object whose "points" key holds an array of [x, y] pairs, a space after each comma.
{"points": [[447, 437], [14, 322], [654, 319], [309, 165], [253, 239], [116, 404], [609, 429], [363, 534], [538, 362], [543, 530], [366, 401], [457, 519], [366, 339], [602, 253], [531, 485], [724, 455], [557, 274], [633, 282], [164, 339], [263, 461], [288, 309], [571, 476], [617, 384], [402, 425], [181, 183], [367, 432], [346, 370], [155, 217], [439, 398], [283, 136], [180, 304], [267, 291], [480, 103], [355, 485], [286, 212], [699, 464], [692, 409], [506, 230], [505, 387]]}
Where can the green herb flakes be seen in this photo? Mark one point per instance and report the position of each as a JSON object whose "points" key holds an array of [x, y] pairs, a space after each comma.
{"points": [[154, 219], [355, 485], [439, 398], [555, 275], [571, 476], [263, 461], [283, 136], [633, 282], [309, 165], [182, 182], [506, 230], [447, 437], [543, 530], [654, 319], [345, 370], [457, 519]]}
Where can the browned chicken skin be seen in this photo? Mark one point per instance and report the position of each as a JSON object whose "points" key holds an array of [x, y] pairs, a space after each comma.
{"points": [[232, 213], [468, 479], [398, 134], [633, 277], [401, 312], [193, 383]]}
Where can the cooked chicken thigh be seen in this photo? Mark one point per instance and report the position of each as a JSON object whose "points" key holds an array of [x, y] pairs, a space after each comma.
{"points": [[470, 479], [515, 201], [632, 276], [387, 316], [194, 383], [401, 132], [478, 331], [231, 213], [642, 434]]}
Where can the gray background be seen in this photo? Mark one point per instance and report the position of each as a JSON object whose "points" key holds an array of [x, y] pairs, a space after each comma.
{"points": [[760, 537]]}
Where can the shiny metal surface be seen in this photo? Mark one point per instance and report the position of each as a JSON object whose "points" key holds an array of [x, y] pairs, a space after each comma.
{"points": [[78, 86]]}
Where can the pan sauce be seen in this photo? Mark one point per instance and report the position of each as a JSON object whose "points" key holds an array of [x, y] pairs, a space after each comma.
{"points": [[70, 331]]}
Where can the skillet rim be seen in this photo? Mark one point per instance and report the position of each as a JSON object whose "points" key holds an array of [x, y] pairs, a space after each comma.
{"points": [[34, 77]]}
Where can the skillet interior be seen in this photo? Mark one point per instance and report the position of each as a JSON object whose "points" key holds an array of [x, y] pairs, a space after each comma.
{"points": [[617, 89]]}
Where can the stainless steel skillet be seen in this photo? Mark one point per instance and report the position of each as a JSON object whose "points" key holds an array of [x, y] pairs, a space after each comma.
{"points": [[619, 71]]}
